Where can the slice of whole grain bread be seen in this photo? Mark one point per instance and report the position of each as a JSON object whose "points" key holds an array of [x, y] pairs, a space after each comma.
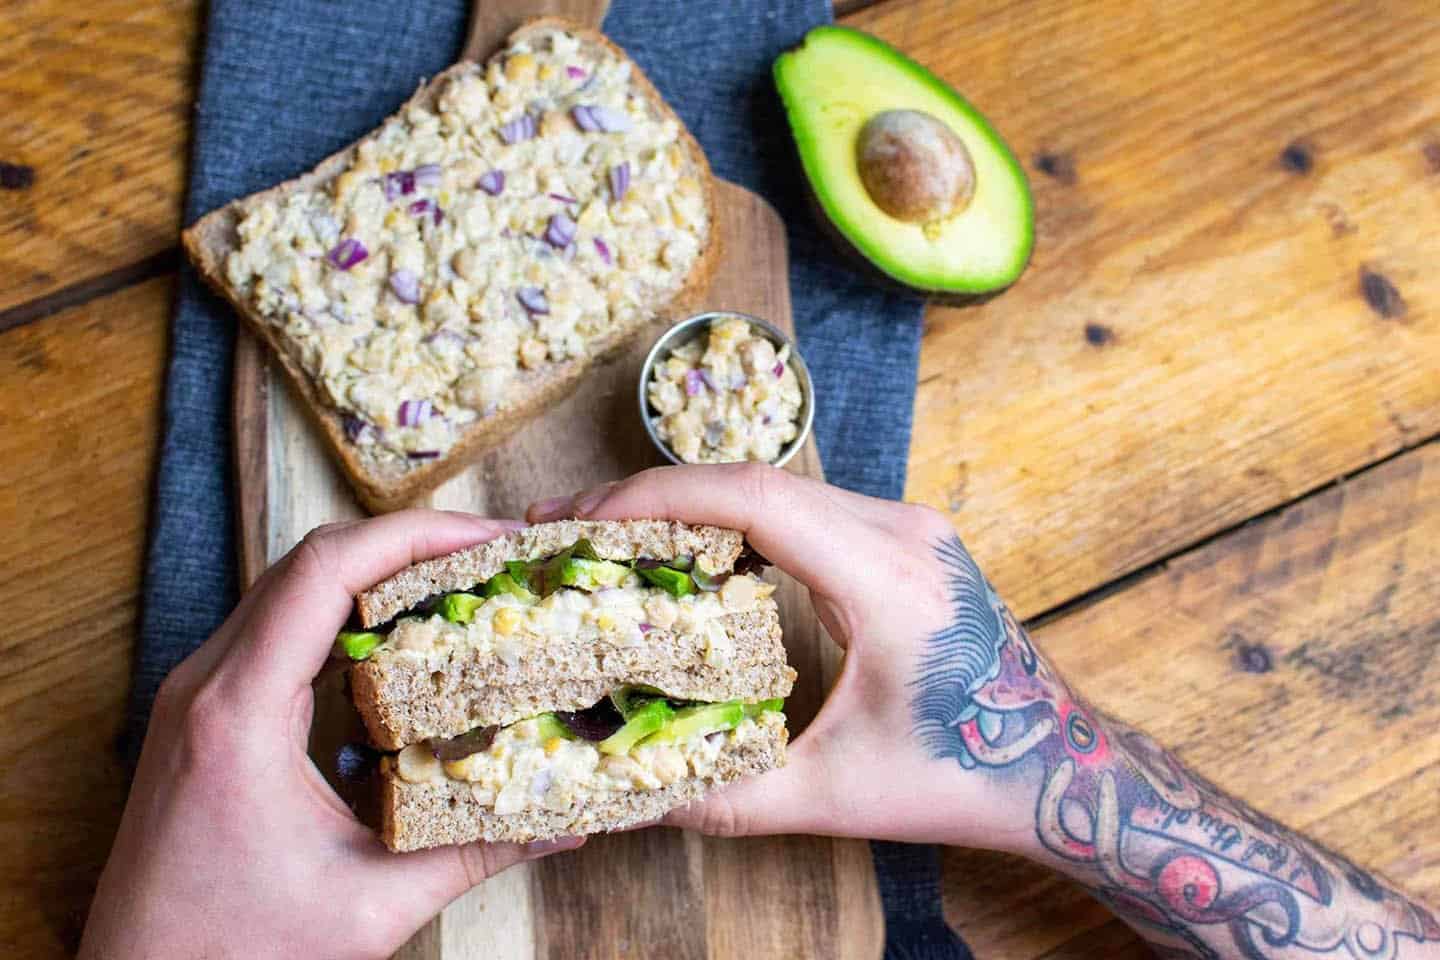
{"points": [[211, 239], [715, 547], [419, 815], [405, 696]]}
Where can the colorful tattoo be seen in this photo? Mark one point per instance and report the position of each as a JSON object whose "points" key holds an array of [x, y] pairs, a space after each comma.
{"points": [[1199, 873]]}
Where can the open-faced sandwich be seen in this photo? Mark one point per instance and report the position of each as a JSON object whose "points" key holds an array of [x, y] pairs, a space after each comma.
{"points": [[461, 268]]}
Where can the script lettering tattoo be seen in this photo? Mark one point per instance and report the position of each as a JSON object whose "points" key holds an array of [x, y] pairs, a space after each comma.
{"points": [[1197, 872]]}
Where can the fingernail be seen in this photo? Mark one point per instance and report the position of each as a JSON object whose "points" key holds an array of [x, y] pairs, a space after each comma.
{"points": [[540, 848], [590, 500], [550, 509]]}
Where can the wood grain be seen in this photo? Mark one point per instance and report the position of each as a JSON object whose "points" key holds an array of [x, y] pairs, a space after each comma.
{"points": [[1295, 662], [491, 23], [1192, 343], [97, 104], [79, 424], [749, 893]]}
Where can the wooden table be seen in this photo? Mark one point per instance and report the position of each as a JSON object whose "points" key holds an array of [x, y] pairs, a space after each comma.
{"points": [[1195, 445]]}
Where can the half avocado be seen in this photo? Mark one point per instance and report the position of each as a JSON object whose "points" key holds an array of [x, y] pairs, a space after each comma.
{"points": [[904, 171]]}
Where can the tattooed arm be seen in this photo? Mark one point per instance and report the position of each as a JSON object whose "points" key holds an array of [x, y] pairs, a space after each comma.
{"points": [[948, 726]]}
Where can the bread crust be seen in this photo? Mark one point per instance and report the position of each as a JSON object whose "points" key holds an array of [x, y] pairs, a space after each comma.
{"points": [[416, 816], [716, 547], [211, 239]]}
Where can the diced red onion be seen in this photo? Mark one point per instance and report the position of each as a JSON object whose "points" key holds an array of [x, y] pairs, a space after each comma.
{"points": [[399, 183], [737, 381], [709, 380], [778, 369], [610, 120], [646, 628], [694, 383], [521, 128], [428, 175], [358, 431], [423, 454], [533, 300], [421, 207], [406, 286], [619, 181], [560, 233], [602, 248], [562, 198], [492, 182], [574, 72], [347, 253], [412, 413], [766, 419], [584, 118]]}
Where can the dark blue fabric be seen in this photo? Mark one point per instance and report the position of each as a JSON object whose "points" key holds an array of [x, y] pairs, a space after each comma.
{"points": [[285, 83]]}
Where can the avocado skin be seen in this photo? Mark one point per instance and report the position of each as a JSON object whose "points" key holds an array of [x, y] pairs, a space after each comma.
{"points": [[852, 254]]}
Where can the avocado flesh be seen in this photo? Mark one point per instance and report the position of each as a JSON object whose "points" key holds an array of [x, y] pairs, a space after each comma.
{"points": [[831, 85], [358, 644], [549, 727], [591, 575], [699, 720], [640, 723], [459, 607]]}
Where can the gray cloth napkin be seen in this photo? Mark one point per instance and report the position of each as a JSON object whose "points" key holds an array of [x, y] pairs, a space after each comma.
{"points": [[285, 83]]}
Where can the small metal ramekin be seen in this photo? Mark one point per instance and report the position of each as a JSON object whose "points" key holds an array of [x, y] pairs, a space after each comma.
{"points": [[698, 326]]}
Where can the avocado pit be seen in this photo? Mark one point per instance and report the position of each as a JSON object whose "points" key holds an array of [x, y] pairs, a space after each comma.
{"points": [[914, 167]]}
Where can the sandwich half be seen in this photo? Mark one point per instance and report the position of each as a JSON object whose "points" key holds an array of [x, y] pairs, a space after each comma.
{"points": [[568, 678]]}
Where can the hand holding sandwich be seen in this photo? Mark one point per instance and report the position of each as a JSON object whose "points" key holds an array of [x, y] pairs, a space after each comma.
{"points": [[232, 843], [947, 725]]}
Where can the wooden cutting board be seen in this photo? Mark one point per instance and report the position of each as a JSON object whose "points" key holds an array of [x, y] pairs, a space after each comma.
{"points": [[657, 892]]}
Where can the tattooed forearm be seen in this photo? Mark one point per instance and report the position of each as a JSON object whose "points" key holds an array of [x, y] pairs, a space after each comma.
{"points": [[1198, 873]]}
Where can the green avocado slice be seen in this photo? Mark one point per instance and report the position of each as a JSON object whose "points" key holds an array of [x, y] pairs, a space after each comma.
{"points": [[677, 583], [639, 724], [699, 720], [832, 85], [357, 644], [459, 607], [550, 727], [591, 575], [505, 583], [775, 705]]}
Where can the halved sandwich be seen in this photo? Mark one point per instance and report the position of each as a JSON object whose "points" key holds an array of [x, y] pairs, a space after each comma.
{"points": [[569, 678]]}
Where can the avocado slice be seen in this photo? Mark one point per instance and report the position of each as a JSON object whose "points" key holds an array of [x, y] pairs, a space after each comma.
{"points": [[550, 727], [505, 583], [459, 607], [357, 644], [677, 583], [775, 705], [700, 719], [639, 724], [591, 575], [905, 172]]}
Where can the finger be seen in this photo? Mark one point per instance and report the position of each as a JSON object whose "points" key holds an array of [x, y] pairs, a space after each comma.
{"points": [[799, 524], [788, 800], [294, 616]]}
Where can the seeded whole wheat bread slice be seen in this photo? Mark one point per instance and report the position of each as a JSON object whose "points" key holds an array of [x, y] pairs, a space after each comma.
{"points": [[211, 239], [407, 696]]}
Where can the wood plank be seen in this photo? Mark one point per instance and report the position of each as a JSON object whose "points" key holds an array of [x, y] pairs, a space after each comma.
{"points": [[1295, 662], [97, 105], [750, 892], [79, 424], [1192, 343]]}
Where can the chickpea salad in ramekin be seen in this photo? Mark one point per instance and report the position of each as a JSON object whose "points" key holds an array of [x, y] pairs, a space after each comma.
{"points": [[724, 387]]}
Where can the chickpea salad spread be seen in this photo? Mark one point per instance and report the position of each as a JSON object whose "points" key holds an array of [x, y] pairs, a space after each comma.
{"points": [[727, 396], [485, 234], [631, 741]]}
